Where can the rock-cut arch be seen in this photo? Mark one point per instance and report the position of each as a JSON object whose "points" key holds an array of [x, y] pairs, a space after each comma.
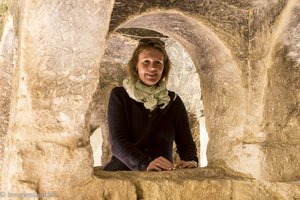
{"points": [[221, 84]]}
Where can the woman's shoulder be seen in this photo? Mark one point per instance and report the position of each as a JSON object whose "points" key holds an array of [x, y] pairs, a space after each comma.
{"points": [[117, 88], [175, 99], [118, 91], [173, 95]]}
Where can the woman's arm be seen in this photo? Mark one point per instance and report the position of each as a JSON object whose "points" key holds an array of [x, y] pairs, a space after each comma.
{"points": [[122, 147], [183, 137]]}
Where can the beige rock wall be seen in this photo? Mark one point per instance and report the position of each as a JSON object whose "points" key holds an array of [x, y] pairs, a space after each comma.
{"points": [[282, 100], [203, 183], [7, 49], [246, 54], [4, 5], [60, 44]]}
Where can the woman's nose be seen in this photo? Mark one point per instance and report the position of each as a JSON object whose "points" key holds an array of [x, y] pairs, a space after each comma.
{"points": [[152, 66]]}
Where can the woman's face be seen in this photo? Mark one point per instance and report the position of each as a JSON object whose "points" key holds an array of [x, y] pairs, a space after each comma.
{"points": [[150, 66]]}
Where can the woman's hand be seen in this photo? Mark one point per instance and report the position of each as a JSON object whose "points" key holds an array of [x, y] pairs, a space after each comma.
{"points": [[186, 164], [160, 164]]}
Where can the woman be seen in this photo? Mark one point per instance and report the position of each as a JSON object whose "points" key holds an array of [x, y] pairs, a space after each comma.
{"points": [[145, 118]]}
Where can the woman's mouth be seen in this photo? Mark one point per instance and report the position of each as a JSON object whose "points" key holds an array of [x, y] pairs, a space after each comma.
{"points": [[151, 75]]}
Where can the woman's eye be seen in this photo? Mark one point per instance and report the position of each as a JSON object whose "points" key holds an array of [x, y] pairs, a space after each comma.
{"points": [[158, 64]]}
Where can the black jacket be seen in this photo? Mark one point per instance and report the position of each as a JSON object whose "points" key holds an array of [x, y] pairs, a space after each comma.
{"points": [[138, 135]]}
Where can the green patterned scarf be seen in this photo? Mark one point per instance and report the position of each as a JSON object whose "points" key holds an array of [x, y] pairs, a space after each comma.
{"points": [[151, 96]]}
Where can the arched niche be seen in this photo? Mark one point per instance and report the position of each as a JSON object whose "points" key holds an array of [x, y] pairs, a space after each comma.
{"points": [[220, 79], [183, 79]]}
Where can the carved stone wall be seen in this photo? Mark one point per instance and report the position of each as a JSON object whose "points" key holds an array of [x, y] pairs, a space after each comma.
{"points": [[246, 54], [6, 73], [60, 45]]}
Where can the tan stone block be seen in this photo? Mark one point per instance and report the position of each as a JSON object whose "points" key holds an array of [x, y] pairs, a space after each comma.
{"points": [[60, 45], [260, 161], [282, 163], [195, 184], [287, 190], [112, 189], [239, 157], [250, 190], [186, 189]]}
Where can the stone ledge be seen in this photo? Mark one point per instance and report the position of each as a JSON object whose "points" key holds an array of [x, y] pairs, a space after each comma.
{"points": [[201, 183]]}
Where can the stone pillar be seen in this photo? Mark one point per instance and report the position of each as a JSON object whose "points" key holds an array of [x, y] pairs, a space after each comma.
{"points": [[6, 70], [281, 122], [60, 44]]}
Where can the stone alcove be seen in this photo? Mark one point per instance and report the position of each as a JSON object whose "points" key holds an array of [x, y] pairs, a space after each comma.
{"points": [[218, 70], [221, 82], [183, 79]]}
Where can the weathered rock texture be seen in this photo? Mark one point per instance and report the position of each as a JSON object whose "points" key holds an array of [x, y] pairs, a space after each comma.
{"points": [[6, 69], [246, 54], [60, 45], [4, 4], [204, 183]]}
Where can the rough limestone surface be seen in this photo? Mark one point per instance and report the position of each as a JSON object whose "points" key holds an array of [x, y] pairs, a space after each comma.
{"points": [[282, 110], [4, 5], [246, 54], [6, 70], [202, 183], [60, 45]]}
